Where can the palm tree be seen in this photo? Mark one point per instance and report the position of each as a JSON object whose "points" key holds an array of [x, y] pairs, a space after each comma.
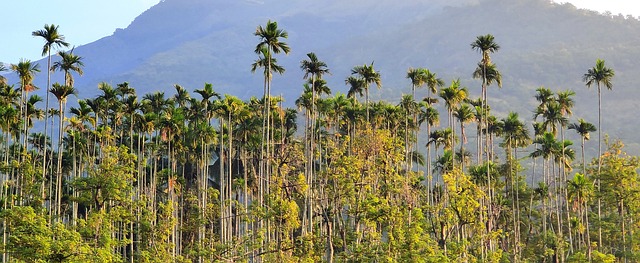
{"points": [[429, 115], [418, 78], [485, 44], [369, 75], [410, 108], [599, 75], [565, 104], [270, 43], [442, 138], [69, 63], [61, 92], [464, 114], [26, 72], [53, 39], [453, 96], [553, 117], [544, 96], [489, 73], [182, 96], [580, 191], [583, 128], [32, 111], [313, 68], [356, 86], [547, 146], [433, 82], [515, 135]]}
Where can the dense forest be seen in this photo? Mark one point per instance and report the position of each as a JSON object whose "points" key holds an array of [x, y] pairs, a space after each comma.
{"points": [[200, 176]]}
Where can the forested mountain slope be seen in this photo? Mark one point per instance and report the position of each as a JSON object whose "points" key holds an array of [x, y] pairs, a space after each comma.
{"points": [[190, 42]]}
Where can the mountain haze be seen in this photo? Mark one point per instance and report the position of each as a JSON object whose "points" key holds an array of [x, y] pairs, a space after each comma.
{"points": [[190, 42]]}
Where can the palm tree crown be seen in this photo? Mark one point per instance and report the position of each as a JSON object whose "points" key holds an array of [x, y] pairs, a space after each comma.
{"points": [[26, 70], [69, 63], [51, 37], [313, 67], [485, 44], [490, 73], [583, 128], [599, 75], [269, 38]]}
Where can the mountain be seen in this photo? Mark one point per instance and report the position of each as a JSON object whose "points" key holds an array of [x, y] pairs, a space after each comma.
{"points": [[190, 42]]}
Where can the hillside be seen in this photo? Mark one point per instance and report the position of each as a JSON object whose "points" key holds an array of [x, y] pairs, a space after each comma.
{"points": [[190, 42]]}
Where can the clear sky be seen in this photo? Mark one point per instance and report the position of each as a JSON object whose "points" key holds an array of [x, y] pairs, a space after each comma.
{"points": [[85, 21], [80, 21]]}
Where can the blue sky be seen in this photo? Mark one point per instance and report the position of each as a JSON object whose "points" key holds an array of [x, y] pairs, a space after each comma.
{"points": [[85, 21], [80, 21]]}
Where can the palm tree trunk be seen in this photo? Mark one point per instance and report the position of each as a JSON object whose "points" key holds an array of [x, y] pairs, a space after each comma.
{"points": [[429, 172], [59, 167], [366, 91], [46, 115], [230, 177], [599, 167], [312, 152], [221, 162]]}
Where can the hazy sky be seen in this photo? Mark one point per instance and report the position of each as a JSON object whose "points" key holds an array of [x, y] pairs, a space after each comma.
{"points": [[85, 21]]}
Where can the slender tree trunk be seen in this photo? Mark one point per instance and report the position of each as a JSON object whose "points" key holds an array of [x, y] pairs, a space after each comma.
{"points": [[599, 167], [59, 167], [46, 115], [312, 152], [223, 211], [366, 91], [429, 172]]}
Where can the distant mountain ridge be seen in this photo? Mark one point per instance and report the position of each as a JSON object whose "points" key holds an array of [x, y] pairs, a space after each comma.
{"points": [[190, 42]]}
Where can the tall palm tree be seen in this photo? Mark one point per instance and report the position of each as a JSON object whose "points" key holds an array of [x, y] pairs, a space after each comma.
{"points": [[61, 92], [515, 134], [565, 103], [464, 114], [583, 128], [369, 76], [485, 44], [315, 69], [26, 72], [429, 115], [599, 75], [580, 191], [410, 109], [53, 39], [418, 78], [547, 146], [453, 96], [270, 43]]}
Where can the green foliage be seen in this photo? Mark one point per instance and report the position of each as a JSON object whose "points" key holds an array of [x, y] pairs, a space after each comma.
{"points": [[154, 181], [33, 240]]}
